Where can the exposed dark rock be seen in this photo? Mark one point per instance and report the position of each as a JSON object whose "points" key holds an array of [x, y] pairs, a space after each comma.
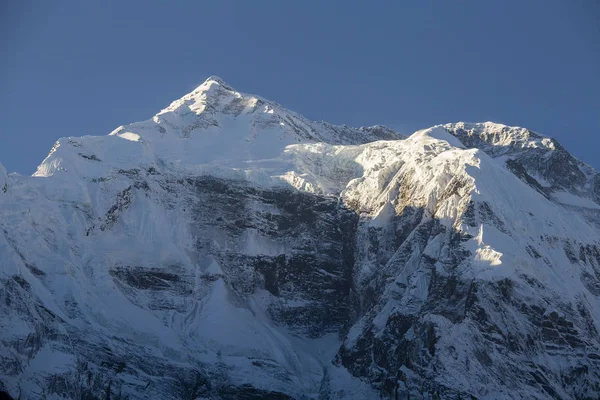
{"points": [[92, 157], [123, 200], [315, 273]]}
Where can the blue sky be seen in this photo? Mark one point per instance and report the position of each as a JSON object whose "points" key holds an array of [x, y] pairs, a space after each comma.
{"points": [[73, 68]]}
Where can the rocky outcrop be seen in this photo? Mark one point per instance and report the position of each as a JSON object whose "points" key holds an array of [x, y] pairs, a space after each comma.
{"points": [[538, 156]]}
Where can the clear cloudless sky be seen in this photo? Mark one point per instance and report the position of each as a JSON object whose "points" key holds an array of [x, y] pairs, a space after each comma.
{"points": [[72, 68]]}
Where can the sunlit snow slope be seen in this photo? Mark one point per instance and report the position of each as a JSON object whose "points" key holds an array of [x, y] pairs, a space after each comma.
{"points": [[229, 248]]}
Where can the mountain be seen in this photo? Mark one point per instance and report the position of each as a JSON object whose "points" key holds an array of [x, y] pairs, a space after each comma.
{"points": [[229, 248]]}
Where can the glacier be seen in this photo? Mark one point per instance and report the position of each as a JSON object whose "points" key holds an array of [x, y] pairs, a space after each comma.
{"points": [[229, 248]]}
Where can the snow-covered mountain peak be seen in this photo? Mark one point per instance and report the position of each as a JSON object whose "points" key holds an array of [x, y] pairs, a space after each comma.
{"points": [[228, 247], [211, 93], [212, 125], [499, 135], [215, 79], [539, 160], [213, 82]]}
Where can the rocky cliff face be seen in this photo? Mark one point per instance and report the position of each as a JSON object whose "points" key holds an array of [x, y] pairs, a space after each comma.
{"points": [[229, 248]]}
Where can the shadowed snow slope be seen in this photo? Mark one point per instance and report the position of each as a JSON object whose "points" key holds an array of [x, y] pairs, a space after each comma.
{"points": [[228, 248]]}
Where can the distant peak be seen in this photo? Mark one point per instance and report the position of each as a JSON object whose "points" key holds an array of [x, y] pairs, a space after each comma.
{"points": [[490, 127], [211, 81], [485, 134], [209, 92], [215, 79], [487, 125]]}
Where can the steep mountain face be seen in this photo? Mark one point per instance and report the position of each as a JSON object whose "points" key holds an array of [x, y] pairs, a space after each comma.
{"points": [[491, 293], [540, 161], [229, 248]]}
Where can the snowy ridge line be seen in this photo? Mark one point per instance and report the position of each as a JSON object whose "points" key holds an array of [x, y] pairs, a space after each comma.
{"points": [[230, 248]]}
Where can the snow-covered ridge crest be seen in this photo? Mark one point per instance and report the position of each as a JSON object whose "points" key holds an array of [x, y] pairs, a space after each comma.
{"points": [[214, 92], [212, 126], [539, 160], [500, 135]]}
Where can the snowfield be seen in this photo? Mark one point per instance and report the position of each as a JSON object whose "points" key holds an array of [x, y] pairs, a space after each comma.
{"points": [[230, 248]]}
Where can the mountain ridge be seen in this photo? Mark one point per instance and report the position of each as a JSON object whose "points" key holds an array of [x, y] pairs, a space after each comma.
{"points": [[230, 248]]}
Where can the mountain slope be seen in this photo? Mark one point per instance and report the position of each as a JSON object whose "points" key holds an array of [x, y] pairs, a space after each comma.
{"points": [[213, 127], [491, 292], [229, 248]]}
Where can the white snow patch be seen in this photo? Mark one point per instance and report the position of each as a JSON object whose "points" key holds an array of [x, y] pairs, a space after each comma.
{"points": [[573, 200], [442, 134]]}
